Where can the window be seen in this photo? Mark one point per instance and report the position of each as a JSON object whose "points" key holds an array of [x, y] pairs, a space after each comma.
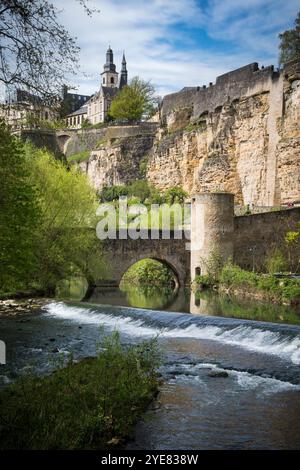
{"points": [[197, 271], [103, 79], [112, 80]]}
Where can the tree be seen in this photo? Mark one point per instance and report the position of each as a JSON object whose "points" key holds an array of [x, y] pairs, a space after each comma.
{"points": [[18, 214], [134, 101], [66, 236], [290, 43], [36, 53]]}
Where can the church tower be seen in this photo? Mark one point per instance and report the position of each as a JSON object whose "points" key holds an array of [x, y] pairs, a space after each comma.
{"points": [[123, 77], [109, 76]]}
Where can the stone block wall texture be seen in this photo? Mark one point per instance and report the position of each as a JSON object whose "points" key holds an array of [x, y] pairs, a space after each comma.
{"points": [[257, 235]]}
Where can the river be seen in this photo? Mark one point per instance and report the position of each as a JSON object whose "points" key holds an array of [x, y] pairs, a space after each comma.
{"points": [[257, 406]]}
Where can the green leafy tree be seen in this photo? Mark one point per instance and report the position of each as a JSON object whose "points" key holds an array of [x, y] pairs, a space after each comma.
{"points": [[175, 195], [19, 213], [290, 43], [134, 101], [65, 237]]}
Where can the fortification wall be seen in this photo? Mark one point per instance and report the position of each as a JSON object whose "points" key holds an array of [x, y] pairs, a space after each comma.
{"points": [[89, 139], [42, 139], [255, 235], [241, 135], [228, 87]]}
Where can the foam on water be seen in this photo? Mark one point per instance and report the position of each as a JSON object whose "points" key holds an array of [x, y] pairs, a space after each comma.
{"points": [[262, 339], [245, 380]]}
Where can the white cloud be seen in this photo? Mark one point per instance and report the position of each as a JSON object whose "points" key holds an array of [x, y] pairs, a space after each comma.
{"points": [[150, 32]]}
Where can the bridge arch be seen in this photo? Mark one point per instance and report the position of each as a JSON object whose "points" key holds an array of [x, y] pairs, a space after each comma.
{"points": [[62, 141], [163, 261], [119, 255]]}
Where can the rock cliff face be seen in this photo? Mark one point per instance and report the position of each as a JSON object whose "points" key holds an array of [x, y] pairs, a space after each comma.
{"points": [[118, 162], [248, 145], [240, 135]]}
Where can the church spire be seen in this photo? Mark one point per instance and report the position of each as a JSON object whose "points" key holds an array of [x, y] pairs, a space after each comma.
{"points": [[123, 78]]}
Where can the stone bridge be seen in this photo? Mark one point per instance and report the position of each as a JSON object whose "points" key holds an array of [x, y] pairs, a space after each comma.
{"points": [[245, 239], [121, 254]]}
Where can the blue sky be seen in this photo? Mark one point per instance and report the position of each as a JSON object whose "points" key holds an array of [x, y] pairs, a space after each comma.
{"points": [[176, 43]]}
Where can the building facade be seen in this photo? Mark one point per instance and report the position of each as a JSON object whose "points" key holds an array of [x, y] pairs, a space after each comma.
{"points": [[95, 110], [25, 110]]}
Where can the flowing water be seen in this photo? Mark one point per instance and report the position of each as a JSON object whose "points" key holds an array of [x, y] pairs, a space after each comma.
{"points": [[257, 406]]}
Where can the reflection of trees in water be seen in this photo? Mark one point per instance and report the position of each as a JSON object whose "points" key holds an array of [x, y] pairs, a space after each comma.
{"points": [[229, 306], [148, 296], [73, 288]]}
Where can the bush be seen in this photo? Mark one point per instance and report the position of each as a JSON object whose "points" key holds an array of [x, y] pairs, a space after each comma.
{"points": [[205, 281], [291, 292], [275, 262], [275, 288], [78, 157], [139, 189], [234, 275], [81, 406]]}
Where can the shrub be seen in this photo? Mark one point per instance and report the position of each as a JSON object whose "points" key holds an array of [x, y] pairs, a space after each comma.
{"points": [[84, 405], [275, 262], [204, 281], [234, 275], [268, 283], [291, 292], [78, 157]]}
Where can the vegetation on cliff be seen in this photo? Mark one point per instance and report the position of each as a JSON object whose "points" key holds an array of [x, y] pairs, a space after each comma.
{"points": [[144, 192], [168, 205], [92, 404]]}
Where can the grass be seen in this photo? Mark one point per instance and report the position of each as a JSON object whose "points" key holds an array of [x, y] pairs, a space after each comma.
{"points": [[101, 143], [78, 157], [232, 277], [195, 126], [93, 404]]}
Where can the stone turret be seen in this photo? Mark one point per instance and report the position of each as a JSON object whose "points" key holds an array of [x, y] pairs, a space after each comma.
{"points": [[212, 228]]}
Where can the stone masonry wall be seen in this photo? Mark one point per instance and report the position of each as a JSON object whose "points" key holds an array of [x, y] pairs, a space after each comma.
{"points": [[256, 235], [241, 135]]}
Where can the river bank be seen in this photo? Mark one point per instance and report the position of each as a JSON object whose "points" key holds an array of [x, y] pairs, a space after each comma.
{"points": [[22, 306], [93, 403], [233, 280]]}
